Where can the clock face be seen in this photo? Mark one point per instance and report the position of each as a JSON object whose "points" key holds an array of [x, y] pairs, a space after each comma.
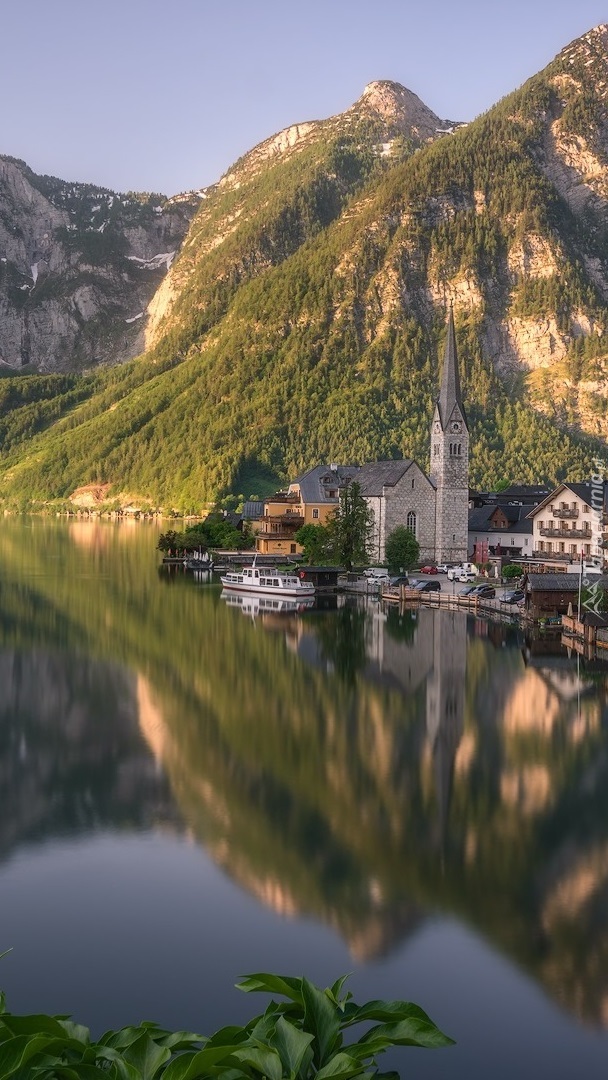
{"points": [[455, 427]]}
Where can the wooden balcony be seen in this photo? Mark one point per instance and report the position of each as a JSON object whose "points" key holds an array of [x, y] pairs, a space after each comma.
{"points": [[564, 512], [568, 534]]}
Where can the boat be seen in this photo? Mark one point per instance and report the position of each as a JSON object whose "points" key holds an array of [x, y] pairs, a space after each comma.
{"points": [[253, 605], [268, 580]]}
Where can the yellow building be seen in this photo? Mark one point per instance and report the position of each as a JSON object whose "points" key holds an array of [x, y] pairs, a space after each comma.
{"points": [[309, 500]]}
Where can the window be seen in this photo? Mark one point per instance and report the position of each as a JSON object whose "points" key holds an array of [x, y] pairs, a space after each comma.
{"points": [[315, 514], [412, 484], [549, 547], [541, 524], [551, 524], [436, 450], [411, 522], [586, 509], [541, 545], [573, 549], [562, 546]]}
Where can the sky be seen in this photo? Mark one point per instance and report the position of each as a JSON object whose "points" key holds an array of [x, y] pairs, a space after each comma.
{"points": [[147, 96]]}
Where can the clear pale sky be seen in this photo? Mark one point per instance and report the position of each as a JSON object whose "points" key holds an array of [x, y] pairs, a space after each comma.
{"points": [[150, 96]]}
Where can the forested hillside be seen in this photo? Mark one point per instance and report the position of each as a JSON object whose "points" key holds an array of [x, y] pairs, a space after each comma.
{"points": [[303, 318]]}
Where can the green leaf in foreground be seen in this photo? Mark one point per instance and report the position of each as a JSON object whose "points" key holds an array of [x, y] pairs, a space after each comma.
{"points": [[300, 1039]]}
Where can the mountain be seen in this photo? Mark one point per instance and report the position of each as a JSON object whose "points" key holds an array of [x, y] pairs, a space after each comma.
{"points": [[78, 266], [302, 319]]}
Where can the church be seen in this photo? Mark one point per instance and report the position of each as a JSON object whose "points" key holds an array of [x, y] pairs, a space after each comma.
{"points": [[434, 507]]}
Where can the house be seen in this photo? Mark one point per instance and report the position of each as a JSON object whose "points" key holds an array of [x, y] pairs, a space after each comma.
{"points": [[433, 507], [318, 491], [309, 500], [499, 530], [549, 595], [571, 522]]}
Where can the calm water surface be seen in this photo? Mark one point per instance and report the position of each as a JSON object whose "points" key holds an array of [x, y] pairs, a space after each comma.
{"points": [[190, 792]]}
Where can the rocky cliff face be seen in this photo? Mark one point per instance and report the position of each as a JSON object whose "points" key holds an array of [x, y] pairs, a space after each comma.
{"points": [[387, 117], [78, 265]]}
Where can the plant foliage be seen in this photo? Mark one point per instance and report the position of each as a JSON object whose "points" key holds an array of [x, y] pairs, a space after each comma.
{"points": [[302, 1038], [402, 550]]}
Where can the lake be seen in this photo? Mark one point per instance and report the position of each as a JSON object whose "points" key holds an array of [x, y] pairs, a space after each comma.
{"points": [[191, 791]]}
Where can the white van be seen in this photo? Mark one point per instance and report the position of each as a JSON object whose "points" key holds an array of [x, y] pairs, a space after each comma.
{"points": [[455, 572]]}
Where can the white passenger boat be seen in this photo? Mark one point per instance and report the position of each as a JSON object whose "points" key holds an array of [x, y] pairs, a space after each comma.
{"points": [[253, 604], [269, 580]]}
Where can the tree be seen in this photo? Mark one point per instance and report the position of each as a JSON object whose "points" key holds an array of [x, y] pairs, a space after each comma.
{"points": [[350, 528], [314, 540], [402, 550]]}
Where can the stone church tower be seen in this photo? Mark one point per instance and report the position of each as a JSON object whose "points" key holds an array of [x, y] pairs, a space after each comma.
{"points": [[450, 461]]}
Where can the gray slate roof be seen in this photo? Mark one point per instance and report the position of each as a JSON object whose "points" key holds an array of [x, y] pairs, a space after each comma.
{"points": [[554, 582], [377, 475], [585, 491], [253, 510], [524, 493], [314, 490], [516, 516], [450, 393]]}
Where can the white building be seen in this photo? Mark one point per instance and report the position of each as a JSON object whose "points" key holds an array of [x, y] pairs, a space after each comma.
{"points": [[571, 522]]}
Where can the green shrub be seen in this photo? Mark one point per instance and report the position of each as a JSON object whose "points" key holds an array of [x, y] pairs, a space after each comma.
{"points": [[300, 1039]]}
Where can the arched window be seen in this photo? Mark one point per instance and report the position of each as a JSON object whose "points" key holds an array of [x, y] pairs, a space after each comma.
{"points": [[411, 522]]}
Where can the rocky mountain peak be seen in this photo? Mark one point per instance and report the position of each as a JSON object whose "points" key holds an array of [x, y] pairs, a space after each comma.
{"points": [[401, 109], [589, 51]]}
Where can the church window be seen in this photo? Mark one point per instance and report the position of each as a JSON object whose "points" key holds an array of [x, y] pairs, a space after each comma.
{"points": [[412, 484], [411, 522], [436, 450]]}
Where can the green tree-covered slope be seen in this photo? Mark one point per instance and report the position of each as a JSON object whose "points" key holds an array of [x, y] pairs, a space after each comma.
{"points": [[303, 320]]}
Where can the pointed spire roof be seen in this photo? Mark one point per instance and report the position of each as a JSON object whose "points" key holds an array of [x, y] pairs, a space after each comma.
{"points": [[450, 393]]}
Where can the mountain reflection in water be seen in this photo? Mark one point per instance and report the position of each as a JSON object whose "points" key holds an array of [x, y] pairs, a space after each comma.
{"points": [[365, 768]]}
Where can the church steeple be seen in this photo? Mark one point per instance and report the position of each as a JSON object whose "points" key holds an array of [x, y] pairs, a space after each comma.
{"points": [[450, 459], [450, 393]]}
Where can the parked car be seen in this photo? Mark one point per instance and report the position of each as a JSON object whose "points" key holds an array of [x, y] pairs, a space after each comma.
{"points": [[428, 569], [427, 586], [515, 597], [467, 592], [484, 592], [442, 568], [377, 573], [401, 579], [467, 575]]}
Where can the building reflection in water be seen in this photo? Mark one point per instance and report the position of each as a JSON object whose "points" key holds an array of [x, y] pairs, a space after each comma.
{"points": [[366, 768]]}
